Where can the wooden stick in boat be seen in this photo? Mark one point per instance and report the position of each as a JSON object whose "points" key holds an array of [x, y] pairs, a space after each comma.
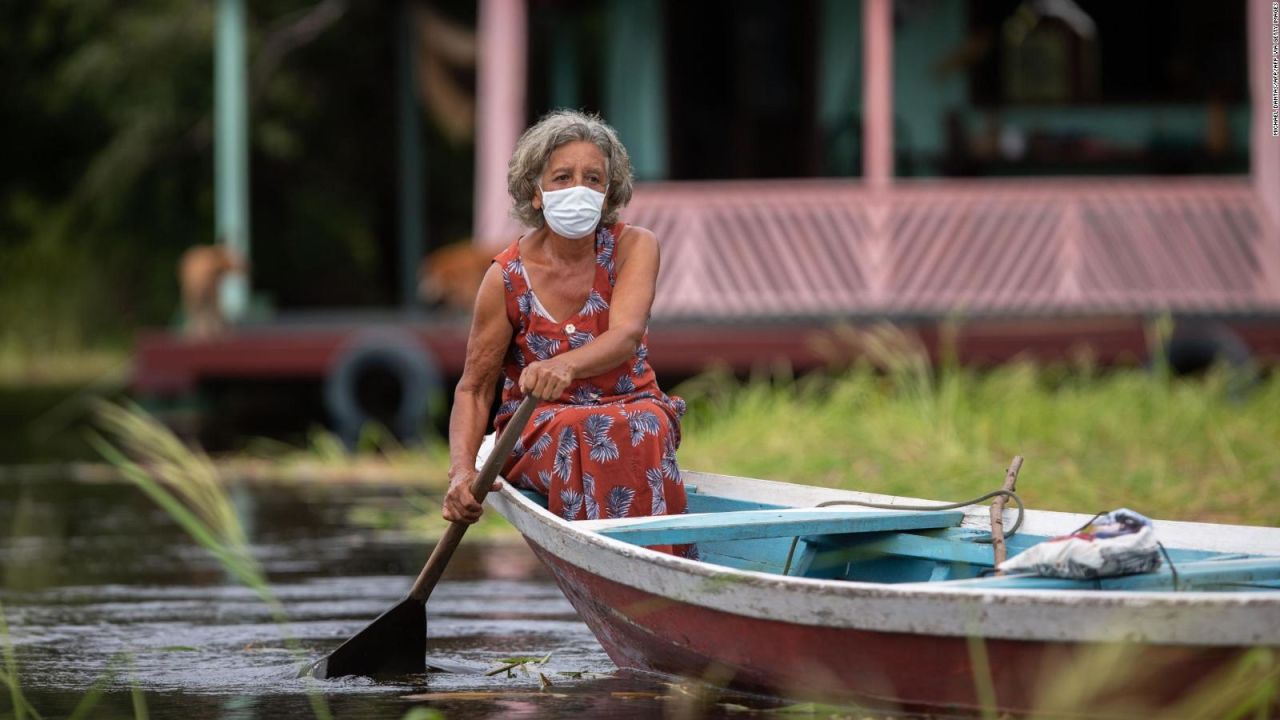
{"points": [[997, 511]]}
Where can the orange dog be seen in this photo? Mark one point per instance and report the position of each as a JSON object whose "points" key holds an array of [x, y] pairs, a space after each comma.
{"points": [[200, 271], [450, 276]]}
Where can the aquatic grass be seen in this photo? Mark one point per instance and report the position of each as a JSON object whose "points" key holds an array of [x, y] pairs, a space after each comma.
{"points": [[1093, 677], [983, 682], [43, 396], [377, 457], [521, 662], [1099, 679], [1094, 440], [23, 709], [692, 697], [24, 366], [9, 674], [139, 700], [825, 711], [422, 713], [1248, 689], [418, 512], [89, 701], [185, 484]]}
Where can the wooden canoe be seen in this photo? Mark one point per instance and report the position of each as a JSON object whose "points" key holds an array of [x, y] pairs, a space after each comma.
{"points": [[887, 607]]}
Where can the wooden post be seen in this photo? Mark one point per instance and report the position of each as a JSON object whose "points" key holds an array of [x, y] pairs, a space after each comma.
{"points": [[500, 100], [997, 511], [877, 92], [231, 151]]}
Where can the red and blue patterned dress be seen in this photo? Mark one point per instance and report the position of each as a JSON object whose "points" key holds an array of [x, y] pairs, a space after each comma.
{"points": [[607, 446]]}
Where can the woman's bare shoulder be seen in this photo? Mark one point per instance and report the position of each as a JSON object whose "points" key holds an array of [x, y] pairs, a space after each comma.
{"points": [[637, 231], [491, 294], [635, 237]]}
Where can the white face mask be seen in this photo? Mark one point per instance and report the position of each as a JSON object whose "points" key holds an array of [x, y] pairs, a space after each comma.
{"points": [[573, 212]]}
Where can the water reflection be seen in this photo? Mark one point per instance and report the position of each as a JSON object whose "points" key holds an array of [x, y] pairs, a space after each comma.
{"points": [[96, 578]]}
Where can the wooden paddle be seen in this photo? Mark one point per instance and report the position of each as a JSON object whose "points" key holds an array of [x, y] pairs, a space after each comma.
{"points": [[396, 642]]}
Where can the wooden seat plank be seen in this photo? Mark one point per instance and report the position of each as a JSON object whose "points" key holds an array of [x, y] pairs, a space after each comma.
{"points": [[753, 524]]}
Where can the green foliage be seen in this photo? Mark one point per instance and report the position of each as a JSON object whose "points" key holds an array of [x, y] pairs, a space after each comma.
{"points": [[107, 111], [108, 172], [1092, 440]]}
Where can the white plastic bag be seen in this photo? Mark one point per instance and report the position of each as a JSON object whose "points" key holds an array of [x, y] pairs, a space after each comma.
{"points": [[1121, 542]]}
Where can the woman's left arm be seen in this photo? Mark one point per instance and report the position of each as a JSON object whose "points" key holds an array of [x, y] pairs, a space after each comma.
{"points": [[636, 263]]}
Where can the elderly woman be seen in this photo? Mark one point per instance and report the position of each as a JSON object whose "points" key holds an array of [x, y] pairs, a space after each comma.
{"points": [[562, 315]]}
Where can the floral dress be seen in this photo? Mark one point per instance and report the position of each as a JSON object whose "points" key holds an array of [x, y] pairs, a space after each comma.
{"points": [[606, 448]]}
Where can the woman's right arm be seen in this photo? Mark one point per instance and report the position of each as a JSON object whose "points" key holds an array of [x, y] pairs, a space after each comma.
{"points": [[487, 345]]}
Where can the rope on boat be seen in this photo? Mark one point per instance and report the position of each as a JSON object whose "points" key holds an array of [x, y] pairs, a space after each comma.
{"points": [[786, 569], [1173, 570]]}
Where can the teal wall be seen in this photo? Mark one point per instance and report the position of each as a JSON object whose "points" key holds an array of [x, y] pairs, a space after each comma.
{"points": [[635, 91], [921, 95], [840, 82]]}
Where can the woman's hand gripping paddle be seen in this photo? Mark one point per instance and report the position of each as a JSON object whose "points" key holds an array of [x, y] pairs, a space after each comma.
{"points": [[396, 642]]}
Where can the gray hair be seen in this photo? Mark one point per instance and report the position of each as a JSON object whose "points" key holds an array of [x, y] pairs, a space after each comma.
{"points": [[533, 152]]}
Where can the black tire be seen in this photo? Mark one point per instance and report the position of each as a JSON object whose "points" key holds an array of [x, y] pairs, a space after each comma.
{"points": [[1196, 346], [382, 376]]}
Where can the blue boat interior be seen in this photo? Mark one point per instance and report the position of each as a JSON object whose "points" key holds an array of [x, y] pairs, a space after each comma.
{"points": [[858, 544]]}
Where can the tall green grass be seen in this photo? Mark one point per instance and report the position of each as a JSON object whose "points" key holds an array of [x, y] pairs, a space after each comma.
{"points": [[1115, 680], [22, 709], [186, 485], [9, 679], [1093, 440]]}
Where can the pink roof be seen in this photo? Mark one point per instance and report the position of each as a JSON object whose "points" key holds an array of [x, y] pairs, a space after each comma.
{"points": [[971, 247]]}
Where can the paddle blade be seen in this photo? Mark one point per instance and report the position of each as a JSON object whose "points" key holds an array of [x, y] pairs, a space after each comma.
{"points": [[393, 644]]}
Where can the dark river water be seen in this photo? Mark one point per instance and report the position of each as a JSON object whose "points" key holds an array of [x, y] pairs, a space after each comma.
{"points": [[100, 586]]}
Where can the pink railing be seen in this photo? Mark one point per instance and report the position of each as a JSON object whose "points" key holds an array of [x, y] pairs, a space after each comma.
{"points": [[973, 247]]}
